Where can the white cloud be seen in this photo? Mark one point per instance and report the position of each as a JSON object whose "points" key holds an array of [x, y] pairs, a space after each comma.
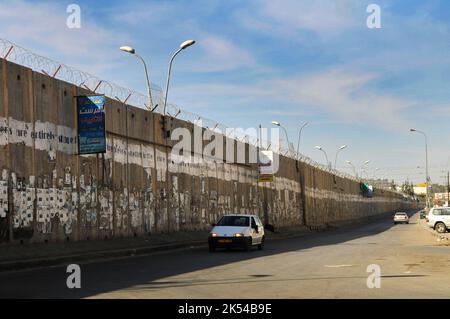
{"points": [[340, 92], [42, 27], [326, 18], [347, 95], [221, 54], [154, 12]]}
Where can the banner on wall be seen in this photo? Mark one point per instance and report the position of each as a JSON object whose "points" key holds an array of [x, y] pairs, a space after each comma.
{"points": [[91, 124], [265, 167], [366, 189]]}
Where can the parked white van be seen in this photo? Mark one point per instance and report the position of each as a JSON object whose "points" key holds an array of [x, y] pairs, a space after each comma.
{"points": [[237, 230]]}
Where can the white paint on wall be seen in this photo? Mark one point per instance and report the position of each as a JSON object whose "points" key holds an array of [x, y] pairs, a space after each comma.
{"points": [[19, 132], [160, 165], [23, 208], [106, 210], [3, 198]]}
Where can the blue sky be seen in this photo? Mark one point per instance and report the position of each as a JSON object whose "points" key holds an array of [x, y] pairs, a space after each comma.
{"points": [[261, 60]]}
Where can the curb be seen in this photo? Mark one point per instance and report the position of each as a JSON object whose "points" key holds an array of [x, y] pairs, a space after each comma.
{"points": [[91, 256]]}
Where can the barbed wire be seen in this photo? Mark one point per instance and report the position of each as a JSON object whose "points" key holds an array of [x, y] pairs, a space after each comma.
{"points": [[19, 55]]}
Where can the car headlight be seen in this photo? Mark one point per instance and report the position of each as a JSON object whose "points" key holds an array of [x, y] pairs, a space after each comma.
{"points": [[238, 235], [214, 235]]}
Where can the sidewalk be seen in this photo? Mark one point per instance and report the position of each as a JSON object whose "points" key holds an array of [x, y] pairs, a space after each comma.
{"points": [[443, 239], [15, 257]]}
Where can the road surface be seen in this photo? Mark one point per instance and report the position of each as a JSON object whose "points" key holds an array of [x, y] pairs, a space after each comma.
{"points": [[329, 264]]}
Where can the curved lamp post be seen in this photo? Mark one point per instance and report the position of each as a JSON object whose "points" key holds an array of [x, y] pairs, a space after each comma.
{"points": [[375, 172], [364, 164], [427, 177], [353, 167], [131, 50], [183, 46], [340, 149], [299, 137], [325, 153], [285, 132]]}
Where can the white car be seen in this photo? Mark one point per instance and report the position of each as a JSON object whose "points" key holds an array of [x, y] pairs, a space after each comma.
{"points": [[439, 219], [401, 217], [237, 230]]}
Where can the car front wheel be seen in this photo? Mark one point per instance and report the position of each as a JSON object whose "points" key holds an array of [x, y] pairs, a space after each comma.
{"points": [[212, 248], [440, 228]]}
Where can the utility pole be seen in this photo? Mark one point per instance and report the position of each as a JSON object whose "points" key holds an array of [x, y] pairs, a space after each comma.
{"points": [[258, 199], [427, 177], [448, 188]]}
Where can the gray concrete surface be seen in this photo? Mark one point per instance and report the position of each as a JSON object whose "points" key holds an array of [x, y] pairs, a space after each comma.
{"points": [[48, 193], [318, 265]]}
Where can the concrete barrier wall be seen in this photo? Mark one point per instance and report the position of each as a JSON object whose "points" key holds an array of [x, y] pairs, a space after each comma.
{"points": [[49, 193]]}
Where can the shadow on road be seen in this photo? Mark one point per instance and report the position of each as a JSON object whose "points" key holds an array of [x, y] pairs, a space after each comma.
{"points": [[141, 272]]}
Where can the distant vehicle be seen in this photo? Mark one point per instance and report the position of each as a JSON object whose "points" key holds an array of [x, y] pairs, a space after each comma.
{"points": [[401, 217], [235, 230], [423, 214], [439, 219]]}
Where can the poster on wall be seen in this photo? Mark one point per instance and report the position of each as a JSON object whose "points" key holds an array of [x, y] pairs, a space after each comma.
{"points": [[91, 124], [367, 190], [265, 167]]}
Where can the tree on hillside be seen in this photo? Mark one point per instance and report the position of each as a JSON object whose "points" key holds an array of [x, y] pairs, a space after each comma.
{"points": [[407, 188], [393, 186]]}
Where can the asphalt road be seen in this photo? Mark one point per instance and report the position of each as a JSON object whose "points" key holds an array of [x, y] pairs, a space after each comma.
{"points": [[321, 265]]}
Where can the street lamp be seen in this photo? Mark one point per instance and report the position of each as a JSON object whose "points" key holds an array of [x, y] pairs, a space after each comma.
{"points": [[364, 164], [285, 132], [353, 167], [299, 136], [183, 46], [131, 50], [375, 172], [325, 153], [427, 177], [364, 171], [340, 149]]}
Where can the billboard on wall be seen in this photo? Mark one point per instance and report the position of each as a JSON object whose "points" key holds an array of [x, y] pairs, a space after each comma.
{"points": [[91, 124], [367, 190], [266, 167]]}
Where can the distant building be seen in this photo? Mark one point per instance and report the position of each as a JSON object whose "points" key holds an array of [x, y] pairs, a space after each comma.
{"points": [[420, 190], [441, 196], [379, 183], [441, 199]]}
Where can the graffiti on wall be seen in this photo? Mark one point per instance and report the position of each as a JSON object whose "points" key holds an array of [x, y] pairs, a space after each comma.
{"points": [[49, 202]]}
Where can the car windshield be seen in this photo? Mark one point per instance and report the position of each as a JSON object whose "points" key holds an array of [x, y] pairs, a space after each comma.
{"points": [[239, 221], [400, 214]]}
